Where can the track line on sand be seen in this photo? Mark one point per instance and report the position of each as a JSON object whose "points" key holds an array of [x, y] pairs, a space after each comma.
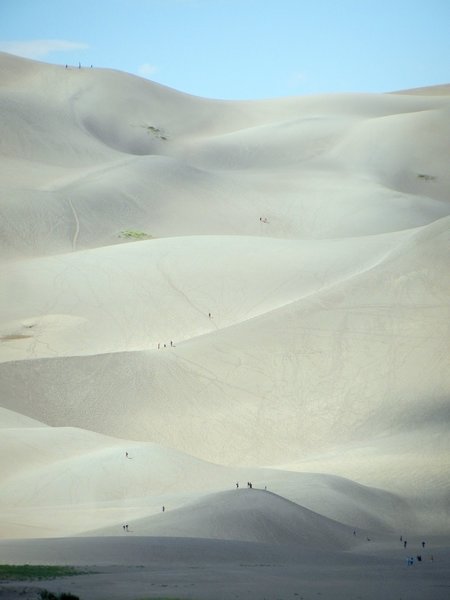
{"points": [[77, 226]]}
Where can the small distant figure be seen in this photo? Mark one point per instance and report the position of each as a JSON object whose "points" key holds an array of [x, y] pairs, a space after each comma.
{"points": [[126, 527], [405, 543], [265, 488], [251, 485], [410, 561], [79, 65], [354, 532], [423, 544], [92, 66], [123, 527], [368, 539], [237, 484], [419, 558], [67, 67], [159, 346], [164, 509], [209, 315], [401, 538], [171, 344], [165, 346]]}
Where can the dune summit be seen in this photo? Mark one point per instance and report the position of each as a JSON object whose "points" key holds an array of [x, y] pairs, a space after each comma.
{"points": [[196, 294]]}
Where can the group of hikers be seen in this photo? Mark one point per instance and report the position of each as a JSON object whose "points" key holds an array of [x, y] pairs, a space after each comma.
{"points": [[410, 559], [125, 527], [249, 485], [171, 345], [405, 542], [79, 66]]}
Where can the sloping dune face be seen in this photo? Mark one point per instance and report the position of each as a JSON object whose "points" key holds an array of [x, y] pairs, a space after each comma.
{"points": [[252, 284], [251, 516]]}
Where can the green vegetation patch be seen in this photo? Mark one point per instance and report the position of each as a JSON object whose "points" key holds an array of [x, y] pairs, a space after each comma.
{"points": [[134, 235], [46, 595], [156, 132], [27, 572]]}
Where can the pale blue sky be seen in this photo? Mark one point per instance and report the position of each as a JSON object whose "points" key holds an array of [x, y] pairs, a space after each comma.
{"points": [[242, 48]]}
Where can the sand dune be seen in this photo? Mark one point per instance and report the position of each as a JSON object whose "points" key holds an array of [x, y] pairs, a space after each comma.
{"points": [[77, 302], [249, 515], [76, 481], [228, 292], [11, 420], [433, 90], [263, 391], [222, 166]]}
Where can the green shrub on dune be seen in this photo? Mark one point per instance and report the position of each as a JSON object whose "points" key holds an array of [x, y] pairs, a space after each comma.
{"points": [[135, 235]]}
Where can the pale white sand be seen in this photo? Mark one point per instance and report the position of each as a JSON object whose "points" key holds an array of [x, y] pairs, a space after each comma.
{"points": [[434, 90], [294, 262]]}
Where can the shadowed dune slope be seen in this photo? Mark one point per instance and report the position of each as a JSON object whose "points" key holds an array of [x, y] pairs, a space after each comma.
{"points": [[63, 481], [248, 515]]}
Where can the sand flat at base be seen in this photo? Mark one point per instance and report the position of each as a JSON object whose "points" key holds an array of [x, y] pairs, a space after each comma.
{"points": [[201, 569]]}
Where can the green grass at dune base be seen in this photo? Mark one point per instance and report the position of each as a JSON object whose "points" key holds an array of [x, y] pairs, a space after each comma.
{"points": [[46, 595], [27, 572]]}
